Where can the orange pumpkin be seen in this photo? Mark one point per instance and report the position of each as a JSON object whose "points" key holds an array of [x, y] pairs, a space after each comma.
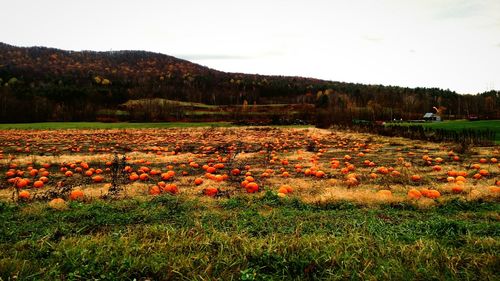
{"points": [[252, 187], [285, 189], [76, 194], [198, 181], [211, 191], [414, 194], [24, 195], [170, 188], [457, 189], [320, 174], [133, 177], [416, 178], [383, 170], [154, 190], [484, 172], [144, 177], [38, 184], [21, 183], [97, 179], [431, 193]]}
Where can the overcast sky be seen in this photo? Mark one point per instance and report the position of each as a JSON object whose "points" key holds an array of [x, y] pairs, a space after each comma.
{"points": [[451, 44]]}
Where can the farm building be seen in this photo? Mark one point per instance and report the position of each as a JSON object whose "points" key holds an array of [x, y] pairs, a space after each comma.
{"points": [[429, 116]]}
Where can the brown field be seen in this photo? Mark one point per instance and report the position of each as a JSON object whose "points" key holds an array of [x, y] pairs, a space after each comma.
{"points": [[319, 165]]}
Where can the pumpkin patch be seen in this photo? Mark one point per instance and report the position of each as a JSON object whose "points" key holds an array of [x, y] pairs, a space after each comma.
{"points": [[319, 164]]}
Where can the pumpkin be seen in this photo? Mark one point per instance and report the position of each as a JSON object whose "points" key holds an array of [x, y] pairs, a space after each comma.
{"points": [[76, 194], [21, 183], [383, 170], [211, 191], [431, 193], [133, 177], [416, 178], [457, 189], [154, 190], [58, 204], [395, 173], [165, 176], [198, 181], [97, 179], [484, 172], [24, 195], [281, 195], [170, 188], [414, 194], [319, 174], [252, 187], [33, 172], [285, 189], [38, 184], [437, 168]]}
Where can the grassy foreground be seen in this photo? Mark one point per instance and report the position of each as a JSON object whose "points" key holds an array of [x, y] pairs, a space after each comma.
{"points": [[249, 238]]}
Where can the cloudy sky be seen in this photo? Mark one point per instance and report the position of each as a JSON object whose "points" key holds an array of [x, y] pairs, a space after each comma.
{"points": [[452, 44]]}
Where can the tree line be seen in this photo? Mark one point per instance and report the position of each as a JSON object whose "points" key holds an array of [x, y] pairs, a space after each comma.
{"points": [[44, 84]]}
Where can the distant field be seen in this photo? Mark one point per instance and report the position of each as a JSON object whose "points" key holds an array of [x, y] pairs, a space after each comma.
{"points": [[493, 125], [122, 125], [100, 125]]}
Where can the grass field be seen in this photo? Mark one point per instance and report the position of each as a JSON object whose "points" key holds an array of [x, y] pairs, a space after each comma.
{"points": [[493, 125], [249, 238]]}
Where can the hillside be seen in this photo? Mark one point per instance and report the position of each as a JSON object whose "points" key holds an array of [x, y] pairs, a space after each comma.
{"points": [[45, 84]]}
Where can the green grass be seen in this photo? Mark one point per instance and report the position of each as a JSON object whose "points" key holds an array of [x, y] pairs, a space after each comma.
{"points": [[457, 125], [249, 238], [100, 125]]}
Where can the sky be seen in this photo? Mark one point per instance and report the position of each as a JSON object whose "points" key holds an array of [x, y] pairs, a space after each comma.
{"points": [[449, 44]]}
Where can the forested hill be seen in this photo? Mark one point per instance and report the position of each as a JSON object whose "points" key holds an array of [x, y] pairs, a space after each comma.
{"points": [[40, 84]]}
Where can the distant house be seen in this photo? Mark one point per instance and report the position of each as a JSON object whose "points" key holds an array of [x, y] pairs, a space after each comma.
{"points": [[429, 116]]}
